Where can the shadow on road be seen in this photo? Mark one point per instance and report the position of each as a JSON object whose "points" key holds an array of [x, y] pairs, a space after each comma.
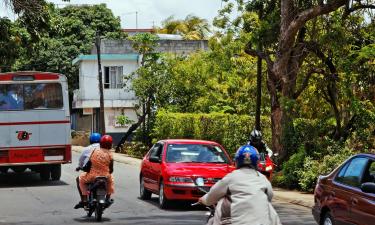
{"points": [[26, 179], [91, 219], [176, 205]]}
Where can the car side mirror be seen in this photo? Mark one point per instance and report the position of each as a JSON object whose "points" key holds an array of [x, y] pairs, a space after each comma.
{"points": [[368, 187], [154, 159]]}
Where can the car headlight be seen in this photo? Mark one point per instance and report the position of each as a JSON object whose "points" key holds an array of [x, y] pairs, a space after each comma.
{"points": [[268, 168], [181, 179]]}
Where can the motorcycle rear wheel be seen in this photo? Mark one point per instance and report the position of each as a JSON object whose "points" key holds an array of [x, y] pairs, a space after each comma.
{"points": [[98, 212], [90, 212]]}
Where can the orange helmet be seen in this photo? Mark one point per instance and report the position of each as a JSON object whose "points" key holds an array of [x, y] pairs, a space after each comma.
{"points": [[106, 142]]}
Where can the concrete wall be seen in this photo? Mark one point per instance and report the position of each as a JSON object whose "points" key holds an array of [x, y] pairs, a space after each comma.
{"points": [[173, 46], [110, 115], [89, 77]]}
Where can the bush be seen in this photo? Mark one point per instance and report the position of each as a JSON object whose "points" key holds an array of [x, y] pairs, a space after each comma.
{"points": [[312, 169], [290, 170], [230, 130], [134, 149]]}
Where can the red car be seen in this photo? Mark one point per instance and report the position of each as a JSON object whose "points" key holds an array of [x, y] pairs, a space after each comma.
{"points": [[347, 195], [171, 166]]}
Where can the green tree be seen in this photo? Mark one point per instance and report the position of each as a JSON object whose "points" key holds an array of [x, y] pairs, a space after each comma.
{"points": [[286, 53], [191, 28], [145, 84], [71, 33]]}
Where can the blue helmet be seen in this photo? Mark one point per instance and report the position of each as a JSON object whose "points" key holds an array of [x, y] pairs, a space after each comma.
{"points": [[95, 138], [247, 155]]}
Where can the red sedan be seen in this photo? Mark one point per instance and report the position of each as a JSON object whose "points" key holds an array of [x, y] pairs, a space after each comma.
{"points": [[347, 195], [171, 166]]}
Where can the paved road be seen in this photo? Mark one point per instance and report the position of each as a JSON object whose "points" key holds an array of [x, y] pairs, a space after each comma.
{"points": [[25, 200]]}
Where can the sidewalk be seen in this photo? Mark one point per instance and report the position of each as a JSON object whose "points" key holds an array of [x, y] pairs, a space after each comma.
{"points": [[294, 197]]}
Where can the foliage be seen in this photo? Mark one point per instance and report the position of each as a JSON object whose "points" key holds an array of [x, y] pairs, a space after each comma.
{"points": [[191, 28], [134, 149], [230, 130], [71, 33], [123, 120], [312, 169]]}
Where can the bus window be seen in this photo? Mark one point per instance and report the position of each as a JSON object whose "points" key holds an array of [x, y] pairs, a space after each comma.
{"points": [[11, 97], [43, 96]]}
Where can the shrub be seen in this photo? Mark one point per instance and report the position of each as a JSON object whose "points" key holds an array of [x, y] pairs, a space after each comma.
{"points": [[312, 169], [230, 130], [290, 170], [134, 149]]}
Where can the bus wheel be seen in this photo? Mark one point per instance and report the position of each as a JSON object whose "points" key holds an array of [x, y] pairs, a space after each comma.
{"points": [[56, 172], [19, 169], [4, 169], [45, 173]]}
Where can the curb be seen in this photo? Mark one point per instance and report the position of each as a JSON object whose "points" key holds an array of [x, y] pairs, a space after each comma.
{"points": [[294, 197], [117, 157]]}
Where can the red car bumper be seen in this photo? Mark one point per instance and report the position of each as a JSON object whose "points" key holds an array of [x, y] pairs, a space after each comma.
{"points": [[183, 191]]}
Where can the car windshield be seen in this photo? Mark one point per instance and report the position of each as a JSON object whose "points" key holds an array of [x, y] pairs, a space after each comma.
{"points": [[188, 153]]}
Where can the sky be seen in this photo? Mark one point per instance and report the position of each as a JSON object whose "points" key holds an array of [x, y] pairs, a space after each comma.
{"points": [[149, 12]]}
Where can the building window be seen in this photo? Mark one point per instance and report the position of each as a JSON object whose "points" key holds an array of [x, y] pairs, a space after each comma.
{"points": [[113, 77]]}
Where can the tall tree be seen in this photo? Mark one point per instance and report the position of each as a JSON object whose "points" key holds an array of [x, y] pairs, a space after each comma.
{"points": [[71, 33], [286, 55], [191, 28]]}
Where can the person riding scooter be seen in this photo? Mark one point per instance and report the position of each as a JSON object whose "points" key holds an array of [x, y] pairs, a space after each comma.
{"points": [[255, 140], [243, 196], [101, 160]]}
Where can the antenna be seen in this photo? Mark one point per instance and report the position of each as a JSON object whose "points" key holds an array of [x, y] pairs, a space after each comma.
{"points": [[136, 17]]}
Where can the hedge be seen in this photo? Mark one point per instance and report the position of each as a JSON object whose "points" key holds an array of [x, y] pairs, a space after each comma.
{"points": [[230, 130]]}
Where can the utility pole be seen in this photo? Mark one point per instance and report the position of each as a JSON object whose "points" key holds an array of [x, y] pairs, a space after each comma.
{"points": [[101, 111], [259, 81]]}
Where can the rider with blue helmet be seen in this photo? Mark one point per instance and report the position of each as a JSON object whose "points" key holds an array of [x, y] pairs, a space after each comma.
{"points": [[244, 195], [247, 155], [84, 158]]}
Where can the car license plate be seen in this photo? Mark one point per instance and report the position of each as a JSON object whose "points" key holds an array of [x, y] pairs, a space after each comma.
{"points": [[20, 156]]}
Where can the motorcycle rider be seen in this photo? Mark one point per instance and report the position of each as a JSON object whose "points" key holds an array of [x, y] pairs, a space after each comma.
{"points": [[255, 140], [84, 158], [101, 165], [244, 195], [94, 143]]}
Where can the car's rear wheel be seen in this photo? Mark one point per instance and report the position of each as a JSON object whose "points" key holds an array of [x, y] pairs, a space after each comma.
{"points": [[327, 219], [143, 192], [163, 201]]}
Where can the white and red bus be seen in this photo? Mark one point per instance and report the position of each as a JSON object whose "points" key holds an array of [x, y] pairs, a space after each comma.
{"points": [[34, 123]]}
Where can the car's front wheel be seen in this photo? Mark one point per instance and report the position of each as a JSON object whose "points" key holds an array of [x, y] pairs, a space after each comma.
{"points": [[163, 201], [143, 192], [327, 219]]}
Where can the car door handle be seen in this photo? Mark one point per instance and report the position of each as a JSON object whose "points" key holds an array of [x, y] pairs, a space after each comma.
{"points": [[354, 201]]}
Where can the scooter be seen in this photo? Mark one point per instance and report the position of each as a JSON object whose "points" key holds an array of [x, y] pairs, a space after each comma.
{"points": [[199, 183], [97, 198]]}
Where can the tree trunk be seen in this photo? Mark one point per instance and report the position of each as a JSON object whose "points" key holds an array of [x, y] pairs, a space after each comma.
{"points": [[131, 129]]}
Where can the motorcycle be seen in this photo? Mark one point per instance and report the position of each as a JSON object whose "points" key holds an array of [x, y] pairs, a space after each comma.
{"points": [[199, 183], [97, 198], [266, 166]]}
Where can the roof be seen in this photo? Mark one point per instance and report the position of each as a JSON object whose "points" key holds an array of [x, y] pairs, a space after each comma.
{"points": [[188, 141], [170, 37], [105, 57], [144, 30]]}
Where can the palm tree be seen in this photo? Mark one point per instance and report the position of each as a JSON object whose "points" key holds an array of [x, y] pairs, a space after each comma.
{"points": [[191, 28]]}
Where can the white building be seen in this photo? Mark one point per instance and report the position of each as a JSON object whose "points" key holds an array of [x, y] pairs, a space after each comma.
{"points": [[117, 59]]}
